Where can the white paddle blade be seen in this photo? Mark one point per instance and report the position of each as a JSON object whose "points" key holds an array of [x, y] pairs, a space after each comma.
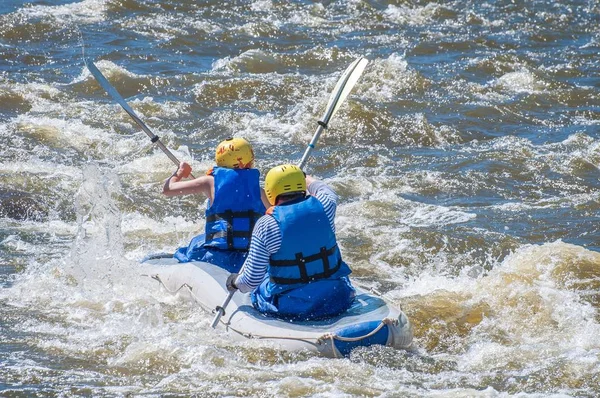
{"points": [[345, 84]]}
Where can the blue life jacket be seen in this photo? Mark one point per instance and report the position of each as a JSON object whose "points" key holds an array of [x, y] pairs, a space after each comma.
{"points": [[236, 207], [308, 251]]}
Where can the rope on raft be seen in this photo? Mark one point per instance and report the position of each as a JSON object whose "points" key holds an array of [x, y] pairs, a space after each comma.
{"points": [[186, 286], [321, 340], [333, 336]]}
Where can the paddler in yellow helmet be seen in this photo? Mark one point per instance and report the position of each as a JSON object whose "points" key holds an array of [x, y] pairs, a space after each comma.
{"points": [[294, 268], [235, 202]]}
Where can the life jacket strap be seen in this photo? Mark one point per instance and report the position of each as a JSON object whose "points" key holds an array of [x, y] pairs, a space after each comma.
{"points": [[228, 216], [300, 262]]}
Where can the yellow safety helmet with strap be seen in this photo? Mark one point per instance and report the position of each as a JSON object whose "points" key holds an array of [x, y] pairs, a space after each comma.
{"points": [[235, 153], [283, 179]]}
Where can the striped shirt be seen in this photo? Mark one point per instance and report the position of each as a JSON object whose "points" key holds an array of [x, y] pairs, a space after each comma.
{"points": [[266, 239]]}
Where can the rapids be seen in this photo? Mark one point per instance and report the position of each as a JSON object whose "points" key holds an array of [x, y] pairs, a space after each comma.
{"points": [[467, 161]]}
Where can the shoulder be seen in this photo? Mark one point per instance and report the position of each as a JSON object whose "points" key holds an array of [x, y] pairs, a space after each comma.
{"points": [[265, 224], [267, 231], [324, 193]]}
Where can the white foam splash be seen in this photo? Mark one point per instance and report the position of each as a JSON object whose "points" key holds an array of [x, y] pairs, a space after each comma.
{"points": [[385, 79], [262, 5], [430, 215], [522, 81], [533, 285], [86, 12], [412, 16]]}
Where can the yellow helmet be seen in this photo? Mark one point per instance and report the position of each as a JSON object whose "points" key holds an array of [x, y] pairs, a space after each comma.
{"points": [[286, 178], [234, 153]]}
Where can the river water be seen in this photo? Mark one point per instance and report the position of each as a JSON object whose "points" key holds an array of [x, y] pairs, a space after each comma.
{"points": [[467, 160]]}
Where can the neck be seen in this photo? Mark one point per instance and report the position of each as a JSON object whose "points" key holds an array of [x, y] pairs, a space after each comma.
{"points": [[288, 198]]}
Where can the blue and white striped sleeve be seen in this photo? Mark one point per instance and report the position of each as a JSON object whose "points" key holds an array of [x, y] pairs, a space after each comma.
{"points": [[266, 240], [327, 197]]}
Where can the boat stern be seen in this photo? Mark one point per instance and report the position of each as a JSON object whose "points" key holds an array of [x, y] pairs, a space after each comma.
{"points": [[391, 332]]}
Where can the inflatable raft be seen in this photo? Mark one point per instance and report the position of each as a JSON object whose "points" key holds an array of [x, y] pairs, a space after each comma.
{"points": [[370, 320]]}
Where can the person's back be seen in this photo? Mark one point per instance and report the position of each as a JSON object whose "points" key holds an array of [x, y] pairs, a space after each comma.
{"points": [[235, 209], [294, 268], [235, 203]]}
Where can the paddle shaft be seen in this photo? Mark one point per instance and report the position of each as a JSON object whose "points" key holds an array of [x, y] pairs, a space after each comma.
{"points": [[337, 97], [121, 101], [221, 309], [311, 146]]}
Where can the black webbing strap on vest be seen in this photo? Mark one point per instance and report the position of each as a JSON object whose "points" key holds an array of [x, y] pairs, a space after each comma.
{"points": [[300, 262], [228, 216]]}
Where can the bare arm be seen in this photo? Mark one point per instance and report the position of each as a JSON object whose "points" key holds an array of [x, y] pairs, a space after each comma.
{"points": [[175, 187]]}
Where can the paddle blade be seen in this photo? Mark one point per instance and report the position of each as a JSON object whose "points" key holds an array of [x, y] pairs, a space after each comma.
{"points": [[103, 81], [341, 90], [116, 96], [344, 86]]}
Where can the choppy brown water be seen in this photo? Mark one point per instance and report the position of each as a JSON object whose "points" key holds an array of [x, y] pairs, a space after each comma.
{"points": [[467, 162]]}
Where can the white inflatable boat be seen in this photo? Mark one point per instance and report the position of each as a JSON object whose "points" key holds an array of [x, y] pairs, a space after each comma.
{"points": [[370, 320]]}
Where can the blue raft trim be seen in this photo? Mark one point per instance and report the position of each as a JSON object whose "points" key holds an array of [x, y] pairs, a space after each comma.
{"points": [[358, 330]]}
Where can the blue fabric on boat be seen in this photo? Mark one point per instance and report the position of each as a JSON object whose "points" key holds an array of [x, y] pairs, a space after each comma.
{"points": [[230, 261], [316, 300], [359, 330]]}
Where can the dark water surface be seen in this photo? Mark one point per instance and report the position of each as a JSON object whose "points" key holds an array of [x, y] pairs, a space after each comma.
{"points": [[467, 160]]}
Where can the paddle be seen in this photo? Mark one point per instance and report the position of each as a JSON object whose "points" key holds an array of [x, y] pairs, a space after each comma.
{"points": [[221, 309], [117, 97], [339, 94], [341, 90]]}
